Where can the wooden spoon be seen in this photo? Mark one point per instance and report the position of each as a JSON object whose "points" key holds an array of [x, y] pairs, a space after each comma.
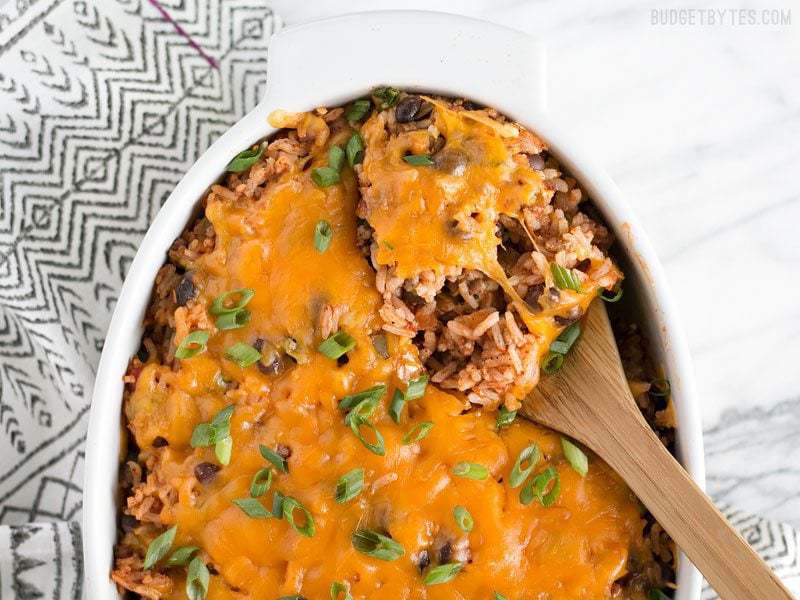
{"points": [[589, 400]]}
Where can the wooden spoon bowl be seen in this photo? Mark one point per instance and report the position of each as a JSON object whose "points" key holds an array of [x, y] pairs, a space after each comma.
{"points": [[589, 400]]}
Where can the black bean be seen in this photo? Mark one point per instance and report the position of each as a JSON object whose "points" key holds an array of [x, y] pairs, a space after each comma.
{"points": [[423, 561], [159, 442], [284, 451], [271, 361], [532, 297], [128, 523], [142, 354], [205, 472], [185, 290], [342, 360], [583, 265], [438, 144], [407, 109], [470, 105], [453, 162], [445, 553]]}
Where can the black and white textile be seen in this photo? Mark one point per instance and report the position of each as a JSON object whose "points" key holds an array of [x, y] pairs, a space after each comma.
{"points": [[104, 104]]}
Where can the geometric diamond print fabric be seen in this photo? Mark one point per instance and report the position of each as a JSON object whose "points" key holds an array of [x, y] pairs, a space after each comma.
{"points": [[104, 104]]}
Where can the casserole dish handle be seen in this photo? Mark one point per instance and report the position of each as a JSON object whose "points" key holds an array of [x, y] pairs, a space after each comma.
{"points": [[436, 52]]}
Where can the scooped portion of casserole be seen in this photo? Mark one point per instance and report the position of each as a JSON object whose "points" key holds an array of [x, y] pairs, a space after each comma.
{"points": [[324, 403]]}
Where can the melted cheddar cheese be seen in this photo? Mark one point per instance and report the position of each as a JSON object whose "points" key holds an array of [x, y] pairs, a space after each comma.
{"points": [[575, 549]]}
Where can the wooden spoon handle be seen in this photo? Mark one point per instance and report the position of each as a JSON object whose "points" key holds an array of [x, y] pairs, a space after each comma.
{"points": [[729, 564]]}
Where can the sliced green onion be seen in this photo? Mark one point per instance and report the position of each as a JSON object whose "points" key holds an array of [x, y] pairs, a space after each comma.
{"points": [[276, 459], [220, 305], [223, 449], [221, 422], [337, 588], [202, 436], [396, 406], [325, 176], [158, 548], [181, 556], [242, 354], [261, 482], [660, 388], [192, 345], [536, 488], [505, 418], [657, 594], [235, 320], [336, 158], [376, 447], [387, 95], [364, 409], [552, 362], [416, 388], [277, 504], [322, 235], [349, 485], [338, 344], [565, 279], [376, 545], [197, 579], [563, 343], [442, 573], [376, 393], [358, 110], [611, 299], [418, 160], [252, 508], [576, 457], [355, 149], [499, 596], [463, 519], [470, 470], [244, 160], [293, 597], [289, 506], [418, 432], [380, 345], [529, 454]]}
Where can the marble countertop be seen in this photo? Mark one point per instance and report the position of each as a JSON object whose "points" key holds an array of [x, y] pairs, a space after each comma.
{"points": [[699, 125]]}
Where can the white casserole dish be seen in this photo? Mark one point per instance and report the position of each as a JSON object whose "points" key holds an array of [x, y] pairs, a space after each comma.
{"points": [[461, 57]]}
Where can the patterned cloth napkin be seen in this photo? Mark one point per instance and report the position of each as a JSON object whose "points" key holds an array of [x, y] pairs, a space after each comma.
{"points": [[104, 104]]}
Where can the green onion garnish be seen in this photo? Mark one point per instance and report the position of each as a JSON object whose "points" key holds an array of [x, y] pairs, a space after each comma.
{"points": [[337, 588], [336, 158], [657, 594], [242, 354], [463, 519], [261, 482], [325, 176], [338, 344], [418, 432], [529, 454], [355, 149], [277, 504], [293, 597], [244, 160], [356, 424], [418, 160], [396, 406], [192, 345], [158, 548], [289, 506], [358, 110], [611, 299], [660, 388], [349, 485], [387, 95], [470, 470], [181, 556], [276, 459], [499, 596], [563, 343], [216, 433], [442, 573], [416, 388], [536, 488], [375, 393], [376, 545], [505, 417], [197, 579], [322, 235], [565, 279], [552, 362], [252, 508], [234, 320], [221, 304], [575, 456]]}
